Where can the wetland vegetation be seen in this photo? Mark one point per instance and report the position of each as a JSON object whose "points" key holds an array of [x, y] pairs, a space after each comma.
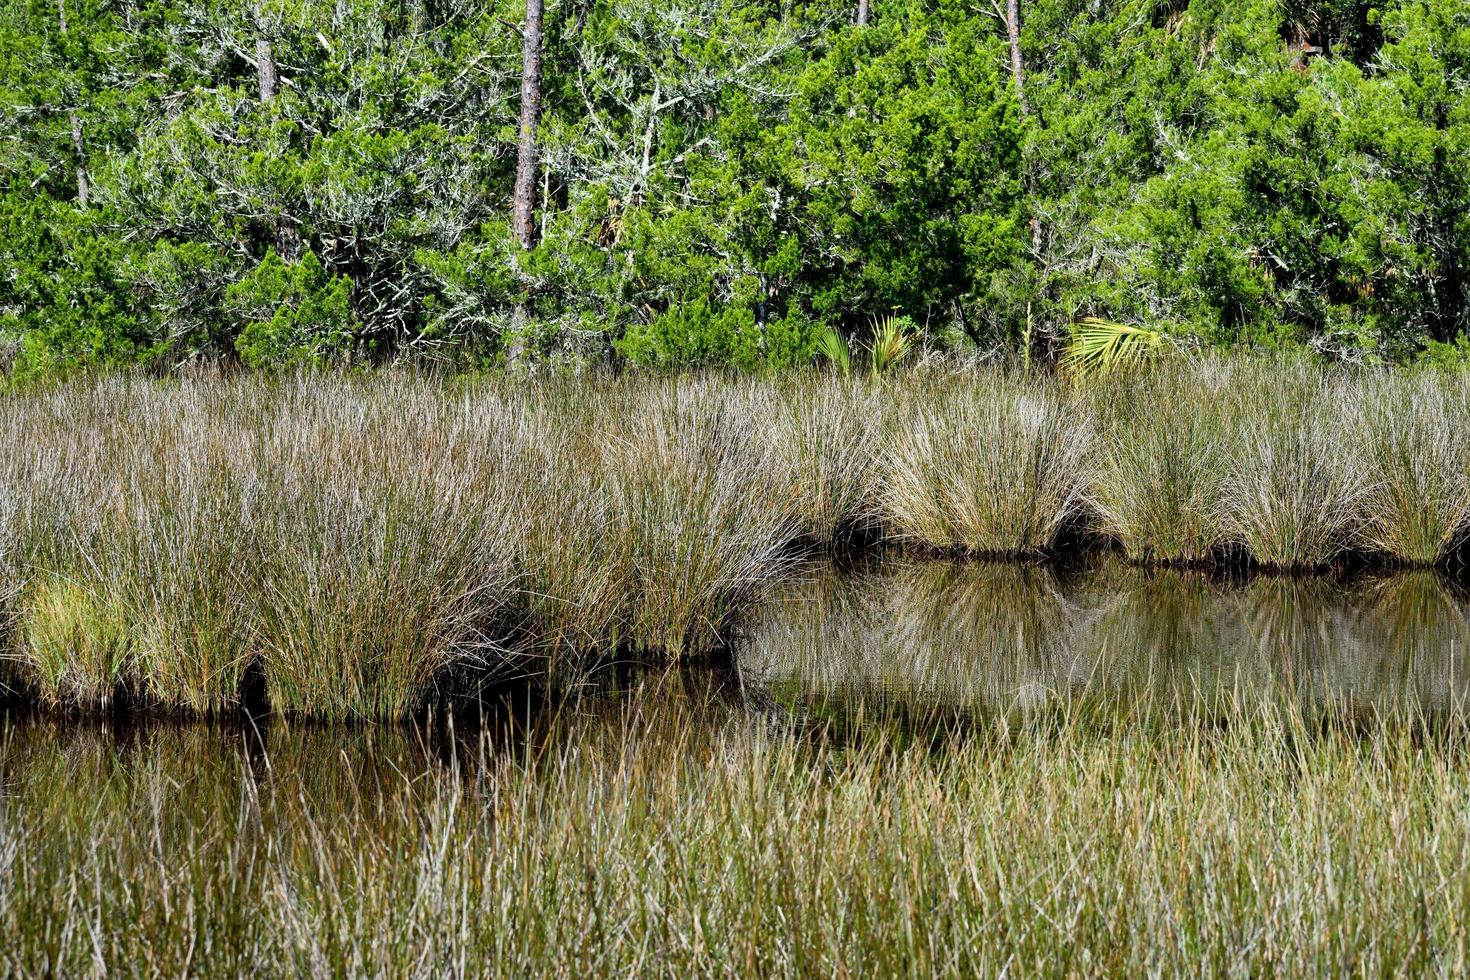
{"points": [[915, 769], [936, 671], [819, 488], [341, 547]]}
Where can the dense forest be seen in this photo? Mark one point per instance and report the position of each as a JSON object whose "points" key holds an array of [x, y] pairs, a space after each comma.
{"points": [[677, 182]]}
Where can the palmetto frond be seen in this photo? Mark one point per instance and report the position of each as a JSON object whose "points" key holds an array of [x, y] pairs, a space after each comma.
{"points": [[833, 346], [1101, 346], [892, 340]]}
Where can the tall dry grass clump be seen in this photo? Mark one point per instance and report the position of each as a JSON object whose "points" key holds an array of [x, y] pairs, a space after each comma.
{"points": [[540, 450], [830, 433], [1294, 491], [361, 539], [1415, 454], [132, 544], [990, 465], [183, 554], [649, 510], [705, 506], [384, 560], [1162, 461]]}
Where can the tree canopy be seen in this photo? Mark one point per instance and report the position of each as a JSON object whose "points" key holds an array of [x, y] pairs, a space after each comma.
{"points": [[719, 183]]}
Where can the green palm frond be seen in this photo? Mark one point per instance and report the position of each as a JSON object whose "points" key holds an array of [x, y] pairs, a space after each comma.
{"points": [[833, 346], [1101, 346], [892, 340]]}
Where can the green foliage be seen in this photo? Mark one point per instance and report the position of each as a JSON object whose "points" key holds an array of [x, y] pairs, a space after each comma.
{"points": [[723, 181], [893, 338], [834, 349], [1101, 346], [290, 313], [1454, 355], [695, 334]]}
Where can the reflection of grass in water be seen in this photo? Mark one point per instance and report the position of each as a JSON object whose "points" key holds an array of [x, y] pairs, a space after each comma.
{"points": [[1420, 627], [939, 630], [998, 638], [664, 837], [1371, 643]]}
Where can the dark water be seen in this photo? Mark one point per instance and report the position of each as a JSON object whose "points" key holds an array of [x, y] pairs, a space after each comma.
{"points": [[851, 649]]}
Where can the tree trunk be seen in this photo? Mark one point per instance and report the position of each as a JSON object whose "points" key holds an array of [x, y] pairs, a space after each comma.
{"points": [[265, 57], [78, 145], [862, 13], [523, 200], [1018, 75], [523, 204], [288, 243], [265, 67], [1013, 35], [84, 185]]}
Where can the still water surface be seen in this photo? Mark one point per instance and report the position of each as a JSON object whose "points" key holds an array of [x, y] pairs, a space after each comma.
{"points": [[842, 650], [986, 638]]}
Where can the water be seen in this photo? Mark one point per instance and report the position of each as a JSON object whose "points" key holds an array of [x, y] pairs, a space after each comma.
{"points": [[1001, 638], [848, 649]]}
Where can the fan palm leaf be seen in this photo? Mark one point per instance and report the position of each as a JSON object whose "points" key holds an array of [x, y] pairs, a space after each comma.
{"points": [[1101, 346], [832, 346]]}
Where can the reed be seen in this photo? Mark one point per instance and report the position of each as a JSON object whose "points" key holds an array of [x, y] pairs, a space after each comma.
{"points": [[132, 542], [707, 509], [1415, 450], [1162, 463], [362, 538], [829, 432], [77, 643], [657, 839], [1294, 492], [990, 466], [571, 565], [385, 556]]}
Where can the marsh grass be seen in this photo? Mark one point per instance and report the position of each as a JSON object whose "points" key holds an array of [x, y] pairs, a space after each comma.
{"points": [[366, 601], [708, 510], [990, 466], [669, 838], [1416, 453], [361, 539], [1294, 491], [382, 559], [829, 432], [1163, 463], [77, 641]]}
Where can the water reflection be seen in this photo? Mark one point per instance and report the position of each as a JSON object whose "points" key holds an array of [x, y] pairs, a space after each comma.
{"points": [[275, 768], [838, 652], [983, 638]]}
